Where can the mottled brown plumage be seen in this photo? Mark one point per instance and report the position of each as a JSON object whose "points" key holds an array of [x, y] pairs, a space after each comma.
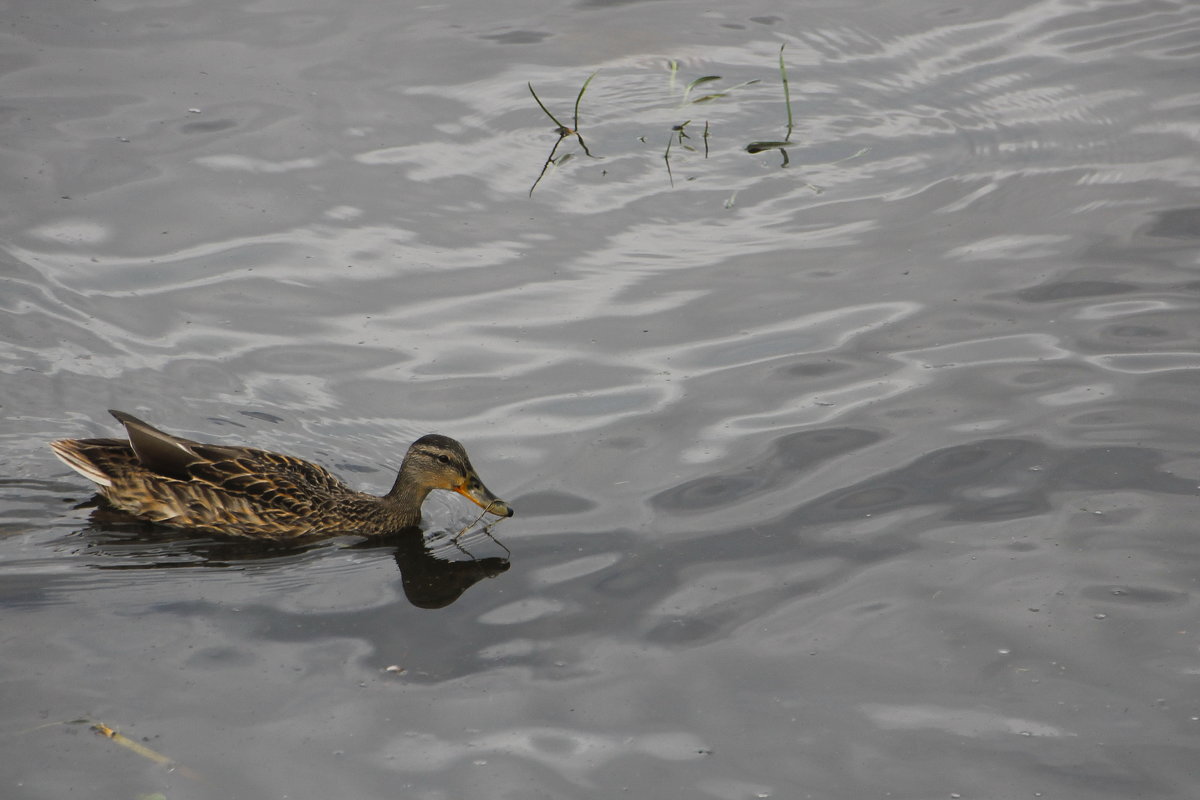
{"points": [[248, 492]]}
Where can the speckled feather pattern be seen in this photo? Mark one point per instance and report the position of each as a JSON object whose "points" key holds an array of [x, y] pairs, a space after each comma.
{"points": [[244, 491]]}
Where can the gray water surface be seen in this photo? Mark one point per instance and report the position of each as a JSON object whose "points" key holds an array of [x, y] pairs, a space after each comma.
{"points": [[871, 476]]}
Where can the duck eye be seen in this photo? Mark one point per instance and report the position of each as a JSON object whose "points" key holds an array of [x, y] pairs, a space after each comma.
{"points": [[444, 459]]}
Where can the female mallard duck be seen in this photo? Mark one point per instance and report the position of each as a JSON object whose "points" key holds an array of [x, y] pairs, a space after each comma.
{"points": [[247, 492]]}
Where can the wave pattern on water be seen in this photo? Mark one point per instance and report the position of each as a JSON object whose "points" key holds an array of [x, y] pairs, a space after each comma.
{"points": [[894, 444]]}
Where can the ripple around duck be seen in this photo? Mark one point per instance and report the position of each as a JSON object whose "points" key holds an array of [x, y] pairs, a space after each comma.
{"points": [[321, 576]]}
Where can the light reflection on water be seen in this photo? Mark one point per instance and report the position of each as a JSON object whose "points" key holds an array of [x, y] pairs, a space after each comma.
{"points": [[872, 475]]}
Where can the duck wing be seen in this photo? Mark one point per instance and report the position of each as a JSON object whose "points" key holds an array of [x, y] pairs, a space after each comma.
{"points": [[239, 490], [159, 451], [266, 479]]}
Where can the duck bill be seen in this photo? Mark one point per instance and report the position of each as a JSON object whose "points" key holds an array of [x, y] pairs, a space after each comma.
{"points": [[477, 493]]}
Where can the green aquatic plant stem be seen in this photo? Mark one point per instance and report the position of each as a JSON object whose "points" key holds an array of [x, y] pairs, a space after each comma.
{"points": [[542, 106], [687, 91], [578, 98], [758, 147], [787, 95], [667, 159]]}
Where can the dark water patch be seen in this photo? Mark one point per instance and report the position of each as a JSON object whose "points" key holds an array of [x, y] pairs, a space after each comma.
{"points": [[593, 4], [359, 468], [551, 503], [692, 630], [13, 62], [1161, 331], [1117, 468], [870, 609], [871, 499], [1135, 595], [1106, 417], [1024, 377], [517, 37], [705, 493], [32, 488], [388, 630], [1023, 472], [341, 70], [636, 577], [208, 126], [627, 443], [1178, 223], [1138, 332], [34, 589], [220, 657], [1027, 506], [787, 457], [29, 505], [815, 369], [322, 359], [1058, 291], [262, 415]]}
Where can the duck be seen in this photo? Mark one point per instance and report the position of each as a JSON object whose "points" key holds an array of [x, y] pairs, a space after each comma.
{"points": [[243, 491]]}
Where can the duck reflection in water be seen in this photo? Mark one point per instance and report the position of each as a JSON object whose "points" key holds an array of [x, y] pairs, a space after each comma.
{"points": [[433, 582], [433, 573]]}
